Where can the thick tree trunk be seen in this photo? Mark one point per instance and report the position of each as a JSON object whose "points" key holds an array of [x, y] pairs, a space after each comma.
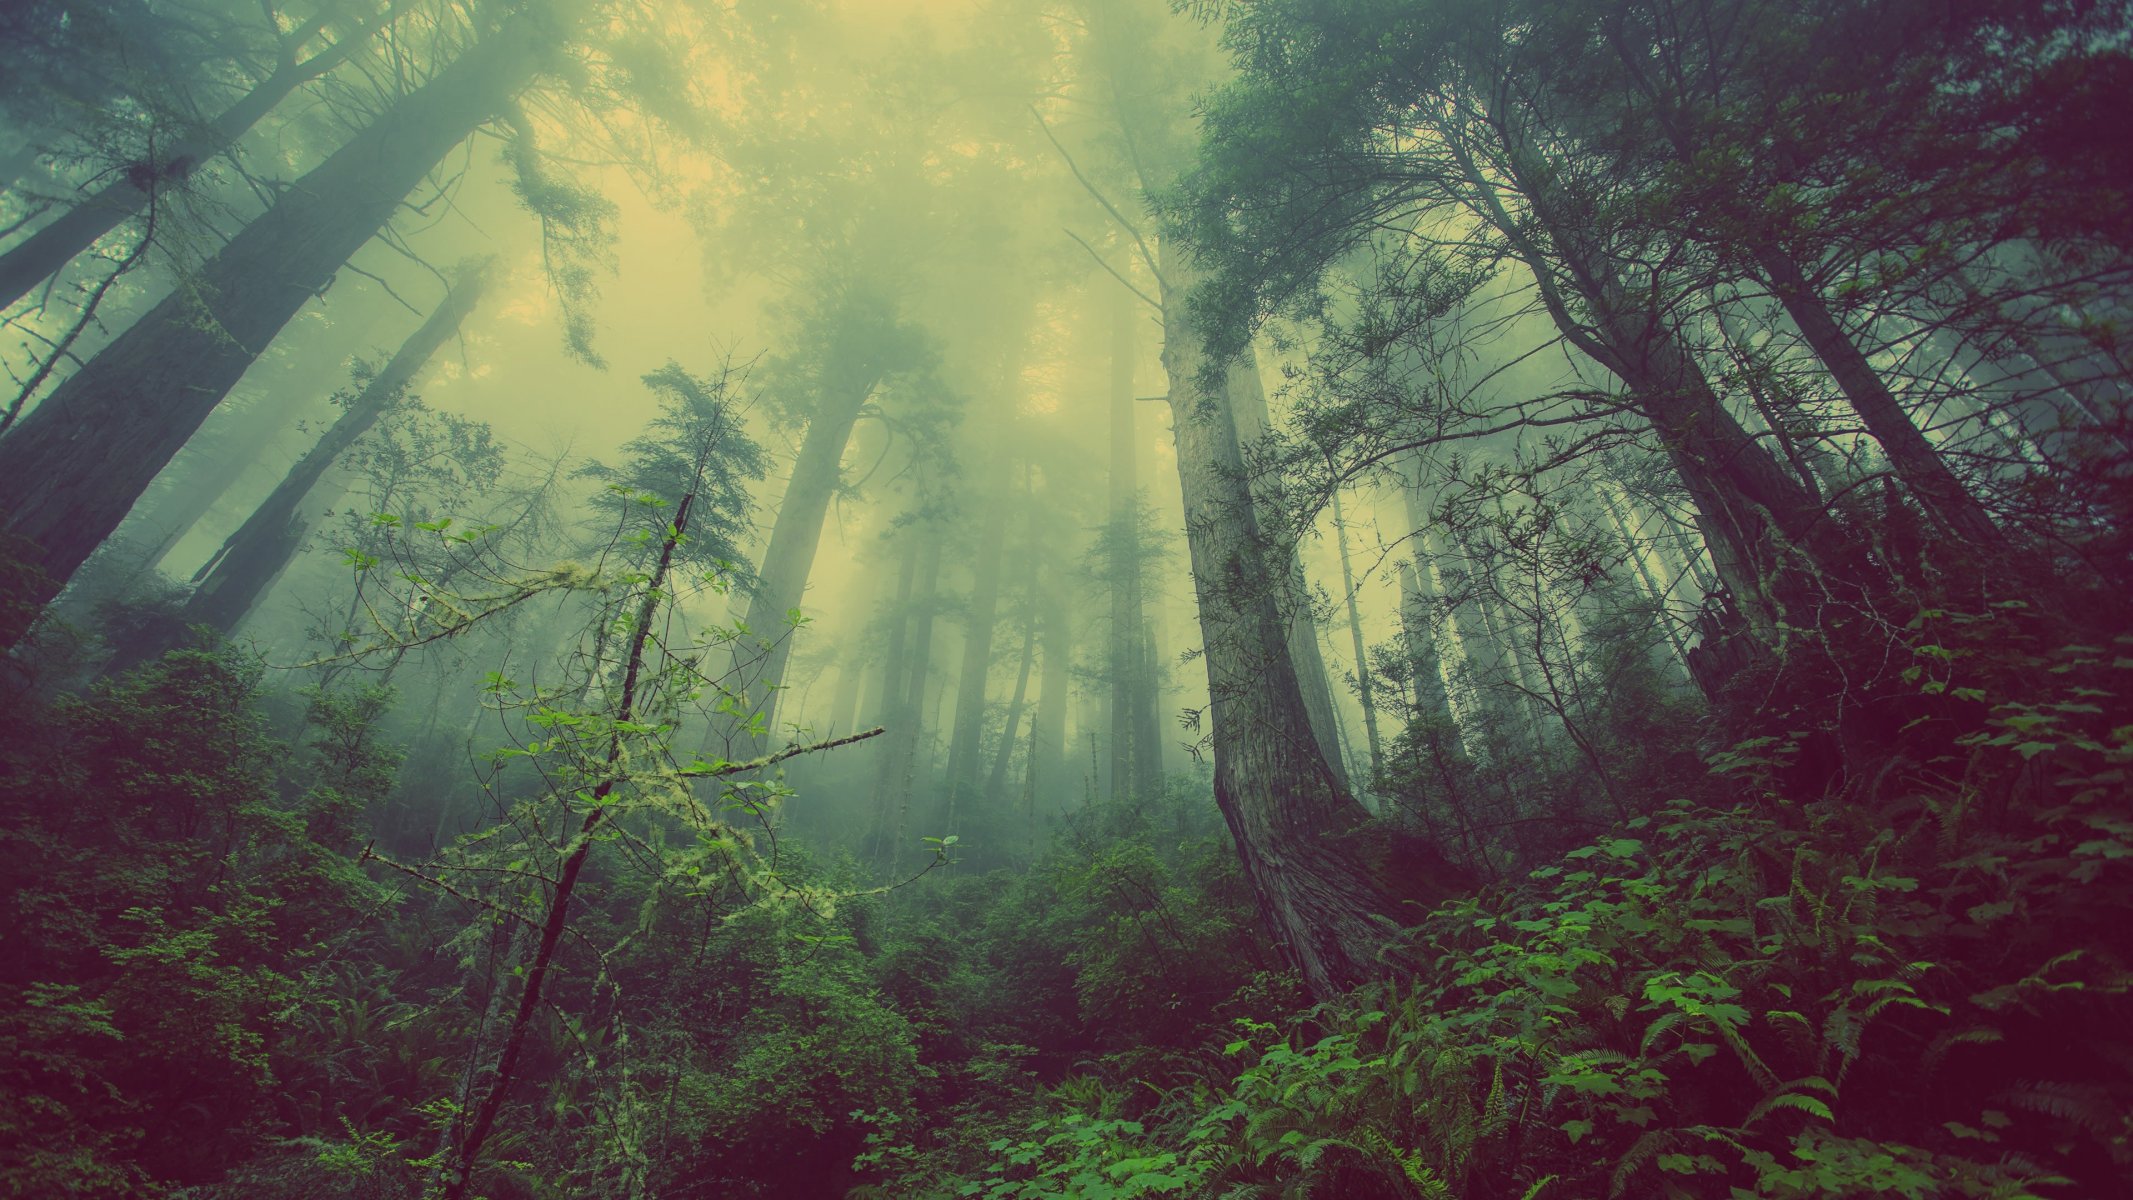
{"points": [[1247, 397], [1324, 876], [1945, 499], [72, 467], [789, 557], [964, 751]]}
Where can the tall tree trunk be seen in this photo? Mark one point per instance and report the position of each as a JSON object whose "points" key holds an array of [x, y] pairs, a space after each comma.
{"points": [[1480, 652], [1123, 658], [789, 556], [1362, 653], [1943, 496], [73, 466], [1640, 564], [964, 750], [1247, 396], [900, 774], [844, 702], [1418, 606], [1011, 728], [1324, 876], [231, 582], [45, 252], [1046, 773], [889, 692]]}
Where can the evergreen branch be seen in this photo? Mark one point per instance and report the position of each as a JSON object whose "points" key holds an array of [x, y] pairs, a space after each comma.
{"points": [[713, 771]]}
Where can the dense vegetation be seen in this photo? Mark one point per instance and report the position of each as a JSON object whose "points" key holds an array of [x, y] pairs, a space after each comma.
{"points": [[1611, 682]]}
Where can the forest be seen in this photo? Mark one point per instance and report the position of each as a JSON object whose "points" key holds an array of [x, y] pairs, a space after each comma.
{"points": [[1407, 599]]}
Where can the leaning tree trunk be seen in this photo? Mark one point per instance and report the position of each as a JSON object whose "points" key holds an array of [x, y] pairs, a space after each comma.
{"points": [[71, 468], [230, 583], [1324, 876], [1914, 459], [789, 557], [46, 252]]}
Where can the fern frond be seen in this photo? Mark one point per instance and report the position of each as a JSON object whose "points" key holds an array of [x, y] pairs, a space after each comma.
{"points": [[1793, 1100], [1640, 1152]]}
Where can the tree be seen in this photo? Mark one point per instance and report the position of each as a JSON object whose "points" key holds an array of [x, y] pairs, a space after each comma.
{"points": [[227, 586], [852, 343], [71, 468], [58, 241]]}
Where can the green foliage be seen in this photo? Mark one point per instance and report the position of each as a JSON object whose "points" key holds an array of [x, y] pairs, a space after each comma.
{"points": [[1908, 995], [164, 909]]}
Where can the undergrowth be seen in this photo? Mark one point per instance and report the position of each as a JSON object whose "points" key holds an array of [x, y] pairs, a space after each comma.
{"points": [[1912, 987]]}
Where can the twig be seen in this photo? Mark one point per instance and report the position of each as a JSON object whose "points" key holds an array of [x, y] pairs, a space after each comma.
{"points": [[1133, 231], [757, 764], [1114, 271]]}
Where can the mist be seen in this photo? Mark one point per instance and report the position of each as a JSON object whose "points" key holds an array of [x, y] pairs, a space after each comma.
{"points": [[936, 598]]}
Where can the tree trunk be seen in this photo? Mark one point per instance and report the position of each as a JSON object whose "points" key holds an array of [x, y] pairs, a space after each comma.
{"points": [[47, 251], [1046, 769], [1418, 606], [250, 560], [888, 697], [996, 779], [1946, 501], [1639, 563], [74, 465], [910, 726], [1362, 653], [760, 656], [1247, 397], [1324, 876], [1124, 654], [964, 751], [231, 582]]}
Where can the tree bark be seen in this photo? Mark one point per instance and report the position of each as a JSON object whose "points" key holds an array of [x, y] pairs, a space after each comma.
{"points": [[1323, 875], [1247, 397], [789, 557], [74, 465]]}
